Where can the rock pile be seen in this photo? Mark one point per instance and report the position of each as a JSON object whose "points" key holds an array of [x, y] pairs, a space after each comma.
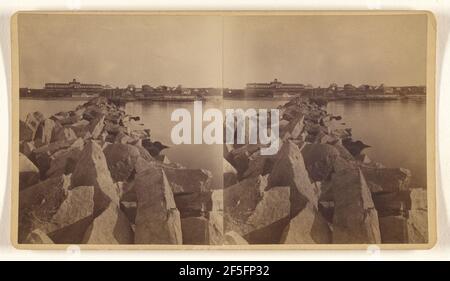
{"points": [[88, 176], [319, 188]]}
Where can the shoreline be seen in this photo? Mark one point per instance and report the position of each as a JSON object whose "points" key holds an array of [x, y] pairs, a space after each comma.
{"points": [[413, 98]]}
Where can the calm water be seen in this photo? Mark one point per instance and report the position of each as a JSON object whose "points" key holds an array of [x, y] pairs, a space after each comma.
{"points": [[394, 129]]}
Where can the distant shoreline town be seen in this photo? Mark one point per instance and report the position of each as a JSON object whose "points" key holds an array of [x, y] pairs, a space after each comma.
{"points": [[272, 90]]}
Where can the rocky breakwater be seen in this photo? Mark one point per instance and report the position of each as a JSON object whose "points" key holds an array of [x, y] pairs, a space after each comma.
{"points": [[92, 175], [319, 188]]}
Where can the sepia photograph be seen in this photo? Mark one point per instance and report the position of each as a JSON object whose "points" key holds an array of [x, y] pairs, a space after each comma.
{"points": [[223, 129]]}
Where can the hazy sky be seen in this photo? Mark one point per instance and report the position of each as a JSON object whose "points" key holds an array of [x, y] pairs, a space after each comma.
{"points": [[120, 50], [195, 50]]}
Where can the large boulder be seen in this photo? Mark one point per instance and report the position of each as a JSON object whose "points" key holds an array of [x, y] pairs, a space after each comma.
{"points": [[289, 170], [92, 169], [28, 172], [241, 199], [62, 214], [319, 160], [254, 213], [387, 179], [265, 225], [355, 219], [397, 203], [408, 225], [64, 161], [121, 159], [45, 131], [307, 227], [411, 229], [110, 227], [157, 219], [42, 156]]}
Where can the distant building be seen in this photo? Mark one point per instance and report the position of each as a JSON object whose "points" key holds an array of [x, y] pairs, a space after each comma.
{"points": [[274, 88], [73, 86]]}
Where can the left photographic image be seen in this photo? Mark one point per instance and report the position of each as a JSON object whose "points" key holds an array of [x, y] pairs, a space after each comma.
{"points": [[97, 161]]}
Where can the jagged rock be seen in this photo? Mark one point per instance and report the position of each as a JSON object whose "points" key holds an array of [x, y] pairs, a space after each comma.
{"points": [[41, 156], [193, 204], [63, 134], [27, 129], [64, 161], [68, 118], [417, 226], [254, 213], [229, 174], [239, 157], [289, 170], [418, 199], [45, 131], [26, 132], [37, 236], [293, 129], [80, 128], [28, 172], [319, 160], [38, 204], [129, 208], [408, 225], [73, 216], [307, 227], [92, 169], [200, 231], [401, 229], [121, 160], [240, 200], [227, 148], [355, 219], [233, 238], [157, 219], [60, 213], [188, 180], [215, 228], [110, 227], [387, 179], [96, 125], [27, 147], [392, 204], [269, 218], [259, 165]]}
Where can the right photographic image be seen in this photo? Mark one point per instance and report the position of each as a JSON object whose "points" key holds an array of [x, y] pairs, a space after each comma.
{"points": [[344, 100]]}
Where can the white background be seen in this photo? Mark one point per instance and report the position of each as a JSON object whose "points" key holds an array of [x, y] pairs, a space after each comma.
{"points": [[440, 8]]}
